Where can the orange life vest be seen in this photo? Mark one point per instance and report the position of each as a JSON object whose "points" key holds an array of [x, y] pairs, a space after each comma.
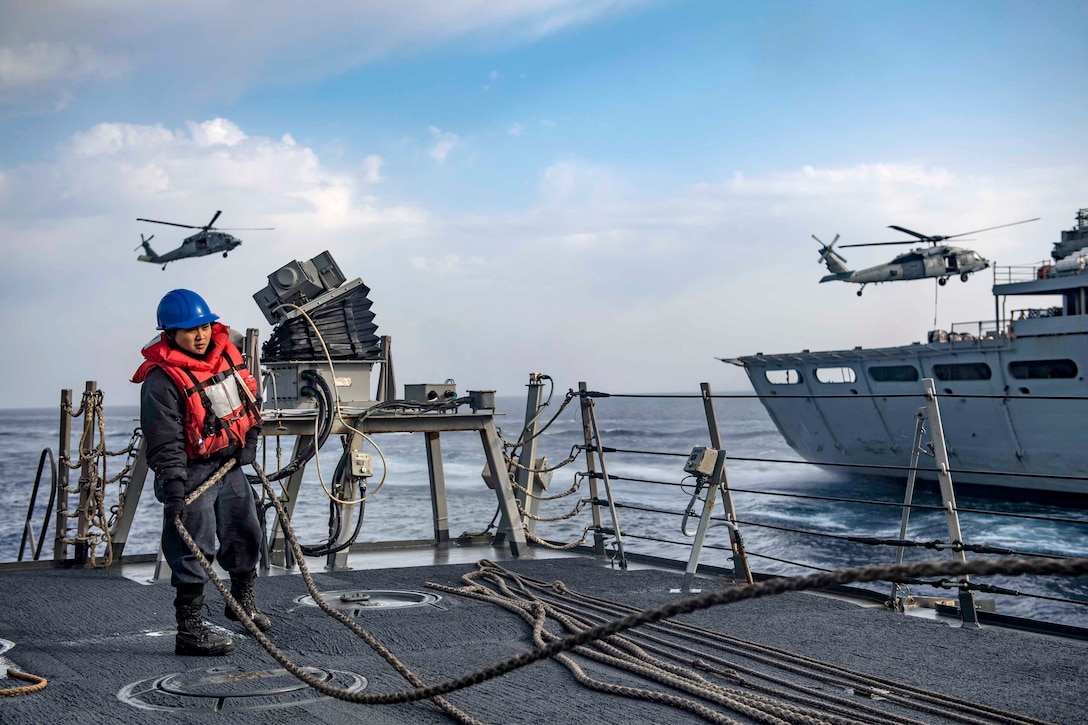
{"points": [[220, 392]]}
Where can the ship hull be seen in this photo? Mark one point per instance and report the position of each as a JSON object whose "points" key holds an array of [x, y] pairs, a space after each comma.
{"points": [[1005, 431]]}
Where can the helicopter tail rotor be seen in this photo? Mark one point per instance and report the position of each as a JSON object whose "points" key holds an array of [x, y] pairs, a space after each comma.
{"points": [[835, 262], [143, 242]]}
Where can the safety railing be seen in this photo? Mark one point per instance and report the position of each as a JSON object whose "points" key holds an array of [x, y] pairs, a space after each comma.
{"points": [[619, 488], [787, 532]]}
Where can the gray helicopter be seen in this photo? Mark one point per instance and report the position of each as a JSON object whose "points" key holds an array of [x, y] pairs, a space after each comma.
{"points": [[207, 241], [939, 261]]}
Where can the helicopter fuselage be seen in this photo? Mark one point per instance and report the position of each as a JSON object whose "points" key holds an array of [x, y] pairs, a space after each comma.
{"points": [[202, 244], [206, 241], [940, 262], [197, 245]]}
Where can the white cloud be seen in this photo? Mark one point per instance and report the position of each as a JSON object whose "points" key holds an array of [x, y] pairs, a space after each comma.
{"points": [[48, 63], [516, 129], [106, 139], [445, 142], [575, 182], [445, 265], [215, 48], [372, 169], [218, 132]]}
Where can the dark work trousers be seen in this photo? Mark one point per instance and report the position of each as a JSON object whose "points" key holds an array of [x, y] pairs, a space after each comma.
{"points": [[225, 511]]}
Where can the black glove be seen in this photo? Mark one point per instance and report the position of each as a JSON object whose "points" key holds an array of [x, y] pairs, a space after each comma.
{"points": [[246, 455], [174, 508], [173, 499]]}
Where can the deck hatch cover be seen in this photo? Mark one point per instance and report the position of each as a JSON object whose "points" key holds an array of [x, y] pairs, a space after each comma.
{"points": [[354, 602], [232, 689]]}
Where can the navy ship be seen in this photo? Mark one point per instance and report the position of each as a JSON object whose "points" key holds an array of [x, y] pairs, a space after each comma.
{"points": [[1013, 389]]}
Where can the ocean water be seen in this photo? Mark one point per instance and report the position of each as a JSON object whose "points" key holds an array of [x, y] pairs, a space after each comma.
{"points": [[785, 529]]}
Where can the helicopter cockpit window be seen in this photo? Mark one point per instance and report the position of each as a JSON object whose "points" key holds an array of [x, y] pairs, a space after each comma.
{"points": [[782, 377], [836, 375]]}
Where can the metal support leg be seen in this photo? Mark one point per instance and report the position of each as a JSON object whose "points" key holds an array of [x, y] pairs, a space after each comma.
{"points": [[438, 488], [64, 458], [591, 469], [511, 524], [704, 526], [87, 472], [741, 570], [598, 450], [908, 497], [133, 491], [278, 549], [524, 475], [968, 615], [354, 487]]}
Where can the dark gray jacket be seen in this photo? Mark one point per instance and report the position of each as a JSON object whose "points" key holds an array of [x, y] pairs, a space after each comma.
{"points": [[162, 418]]}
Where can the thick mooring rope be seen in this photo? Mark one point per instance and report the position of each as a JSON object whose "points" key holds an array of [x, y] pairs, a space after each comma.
{"points": [[296, 670], [820, 580], [635, 652], [37, 683]]}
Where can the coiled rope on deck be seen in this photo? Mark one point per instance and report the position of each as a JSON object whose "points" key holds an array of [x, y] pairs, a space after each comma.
{"points": [[646, 654], [37, 683]]}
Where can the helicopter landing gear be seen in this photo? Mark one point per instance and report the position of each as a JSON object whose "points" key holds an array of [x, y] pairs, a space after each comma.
{"points": [[942, 281], [964, 277], [164, 268], [859, 293], [224, 255]]}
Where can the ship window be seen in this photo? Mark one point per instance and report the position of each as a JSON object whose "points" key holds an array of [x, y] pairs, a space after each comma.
{"points": [[1029, 369], [962, 371], [894, 373], [835, 375], [783, 377]]}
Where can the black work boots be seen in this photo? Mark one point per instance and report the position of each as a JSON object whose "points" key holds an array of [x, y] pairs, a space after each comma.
{"points": [[241, 588], [194, 637]]}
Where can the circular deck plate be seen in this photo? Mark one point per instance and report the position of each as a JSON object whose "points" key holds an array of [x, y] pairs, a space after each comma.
{"points": [[236, 682], [357, 601], [230, 688]]}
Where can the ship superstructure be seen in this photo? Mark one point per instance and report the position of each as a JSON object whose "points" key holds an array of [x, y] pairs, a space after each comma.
{"points": [[1014, 401]]}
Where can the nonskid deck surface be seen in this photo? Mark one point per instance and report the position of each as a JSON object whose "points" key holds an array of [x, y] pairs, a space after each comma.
{"points": [[95, 634]]}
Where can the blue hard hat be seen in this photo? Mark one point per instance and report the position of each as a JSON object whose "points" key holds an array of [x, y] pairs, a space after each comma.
{"points": [[182, 309]]}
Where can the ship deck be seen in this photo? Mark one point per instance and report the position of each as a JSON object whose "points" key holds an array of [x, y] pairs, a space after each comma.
{"points": [[104, 641]]}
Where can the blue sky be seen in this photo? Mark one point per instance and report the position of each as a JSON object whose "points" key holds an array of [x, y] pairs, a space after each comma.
{"points": [[601, 190]]}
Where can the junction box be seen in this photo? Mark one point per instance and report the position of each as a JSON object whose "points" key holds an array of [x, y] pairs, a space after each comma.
{"points": [[431, 392], [701, 462], [349, 381]]}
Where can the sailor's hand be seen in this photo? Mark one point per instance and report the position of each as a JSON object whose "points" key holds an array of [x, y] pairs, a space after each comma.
{"points": [[174, 508], [246, 456]]}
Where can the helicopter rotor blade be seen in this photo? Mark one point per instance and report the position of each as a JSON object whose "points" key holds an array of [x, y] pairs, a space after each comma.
{"points": [[244, 229], [933, 239], [209, 224], [172, 224], [923, 237], [987, 229], [880, 244]]}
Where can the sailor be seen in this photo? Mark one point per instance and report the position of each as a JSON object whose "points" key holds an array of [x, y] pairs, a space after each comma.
{"points": [[199, 408]]}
